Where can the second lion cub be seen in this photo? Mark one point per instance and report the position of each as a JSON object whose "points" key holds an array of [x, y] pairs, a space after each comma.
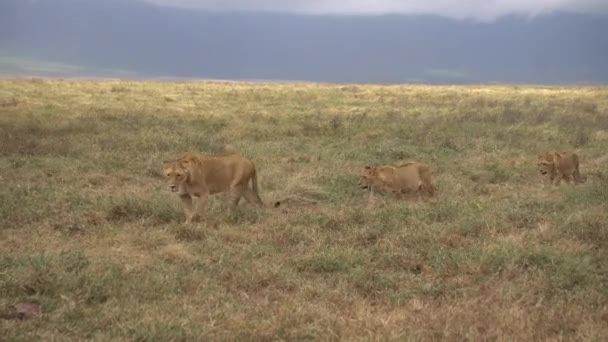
{"points": [[560, 165]]}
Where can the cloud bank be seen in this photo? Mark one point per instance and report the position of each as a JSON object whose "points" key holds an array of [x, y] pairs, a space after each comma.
{"points": [[478, 9]]}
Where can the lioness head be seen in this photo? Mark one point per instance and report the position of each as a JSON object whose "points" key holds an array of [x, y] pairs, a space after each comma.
{"points": [[369, 177], [546, 163], [176, 172]]}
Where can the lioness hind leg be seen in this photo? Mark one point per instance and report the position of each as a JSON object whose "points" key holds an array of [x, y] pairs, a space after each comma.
{"points": [[253, 197], [428, 189], [577, 176], [235, 196]]}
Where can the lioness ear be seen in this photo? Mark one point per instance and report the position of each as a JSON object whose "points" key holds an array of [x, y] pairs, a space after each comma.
{"points": [[367, 167], [184, 163]]}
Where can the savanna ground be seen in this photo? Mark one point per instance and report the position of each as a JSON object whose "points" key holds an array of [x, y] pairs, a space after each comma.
{"points": [[89, 231]]}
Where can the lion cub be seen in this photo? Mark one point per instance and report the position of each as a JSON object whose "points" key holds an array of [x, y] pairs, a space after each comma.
{"points": [[560, 165], [407, 178], [195, 176]]}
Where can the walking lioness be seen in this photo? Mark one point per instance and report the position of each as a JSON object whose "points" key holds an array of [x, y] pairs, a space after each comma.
{"points": [[195, 176], [560, 165]]}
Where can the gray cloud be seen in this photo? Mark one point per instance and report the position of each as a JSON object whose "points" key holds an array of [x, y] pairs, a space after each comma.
{"points": [[478, 9]]}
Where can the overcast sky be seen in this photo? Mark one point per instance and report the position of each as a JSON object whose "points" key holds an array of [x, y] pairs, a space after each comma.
{"points": [[479, 9]]}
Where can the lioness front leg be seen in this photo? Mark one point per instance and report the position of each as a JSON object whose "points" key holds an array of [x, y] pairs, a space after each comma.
{"points": [[188, 207], [202, 200], [558, 180], [370, 197], [553, 179]]}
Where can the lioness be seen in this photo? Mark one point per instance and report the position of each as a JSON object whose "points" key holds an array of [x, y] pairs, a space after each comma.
{"points": [[407, 178], [195, 176], [560, 165]]}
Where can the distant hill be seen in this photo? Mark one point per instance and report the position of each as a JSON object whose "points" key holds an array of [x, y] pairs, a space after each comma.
{"points": [[98, 36]]}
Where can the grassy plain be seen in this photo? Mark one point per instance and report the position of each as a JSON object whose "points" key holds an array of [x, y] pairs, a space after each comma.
{"points": [[89, 231]]}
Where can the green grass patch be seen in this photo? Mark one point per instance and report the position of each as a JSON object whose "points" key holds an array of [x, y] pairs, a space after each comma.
{"points": [[89, 231]]}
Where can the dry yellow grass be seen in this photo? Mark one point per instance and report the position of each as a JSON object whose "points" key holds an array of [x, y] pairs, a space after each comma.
{"points": [[88, 230]]}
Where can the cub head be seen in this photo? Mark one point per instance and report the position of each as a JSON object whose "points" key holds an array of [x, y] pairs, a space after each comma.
{"points": [[177, 172], [546, 163]]}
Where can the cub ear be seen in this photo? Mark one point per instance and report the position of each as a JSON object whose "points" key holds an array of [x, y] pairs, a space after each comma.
{"points": [[368, 167], [166, 162]]}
